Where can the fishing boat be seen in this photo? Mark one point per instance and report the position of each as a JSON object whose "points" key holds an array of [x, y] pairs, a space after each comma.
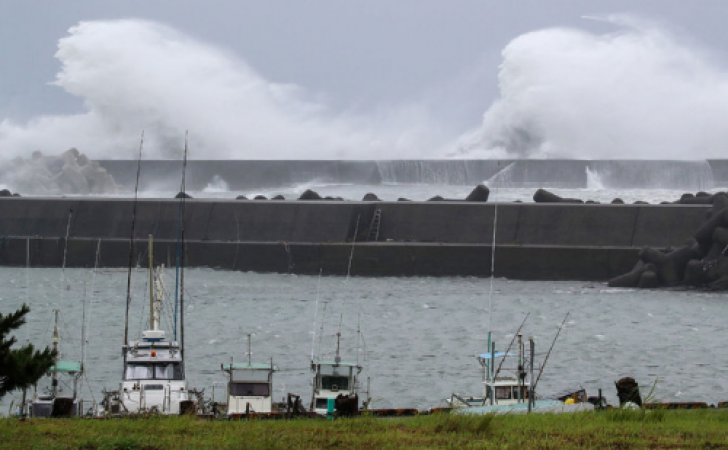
{"points": [[154, 371], [54, 403], [514, 393], [249, 387], [335, 381], [153, 379]]}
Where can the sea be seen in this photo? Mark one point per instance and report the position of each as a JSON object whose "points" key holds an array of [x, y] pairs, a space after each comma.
{"points": [[417, 338]]}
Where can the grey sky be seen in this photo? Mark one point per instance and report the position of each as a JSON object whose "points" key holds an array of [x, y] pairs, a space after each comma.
{"points": [[356, 53], [357, 56]]}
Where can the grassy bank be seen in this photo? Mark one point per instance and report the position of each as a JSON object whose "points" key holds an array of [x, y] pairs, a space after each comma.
{"points": [[611, 429]]}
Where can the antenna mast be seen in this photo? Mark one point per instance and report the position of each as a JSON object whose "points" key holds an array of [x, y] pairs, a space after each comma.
{"points": [[131, 248], [182, 255]]}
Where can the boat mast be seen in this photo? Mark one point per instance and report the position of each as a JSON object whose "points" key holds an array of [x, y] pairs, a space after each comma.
{"points": [[54, 382], [337, 359], [492, 279], [250, 351], [131, 250], [182, 257], [151, 284]]}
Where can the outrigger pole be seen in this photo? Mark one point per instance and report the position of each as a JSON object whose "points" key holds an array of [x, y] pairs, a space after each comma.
{"points": [[131, 249], [561, 327]]}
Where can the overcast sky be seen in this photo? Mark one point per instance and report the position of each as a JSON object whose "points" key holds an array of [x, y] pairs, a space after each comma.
{"points": [[354, 56]]}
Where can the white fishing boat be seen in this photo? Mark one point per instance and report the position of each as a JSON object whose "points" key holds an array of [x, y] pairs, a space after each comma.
{"points": [[334, 380], [55, 402], [500, 390], [249, 387], [154, 368]]}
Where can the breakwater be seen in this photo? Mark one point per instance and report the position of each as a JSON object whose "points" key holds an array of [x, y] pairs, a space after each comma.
{"points": [[447, 238]]}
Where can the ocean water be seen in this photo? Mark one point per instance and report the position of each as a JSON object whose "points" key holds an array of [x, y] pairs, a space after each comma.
{"points": [[416, 337], [422, 192]]}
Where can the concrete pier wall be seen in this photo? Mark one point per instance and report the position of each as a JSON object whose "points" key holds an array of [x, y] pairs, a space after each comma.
{"points": [[533, 241]]}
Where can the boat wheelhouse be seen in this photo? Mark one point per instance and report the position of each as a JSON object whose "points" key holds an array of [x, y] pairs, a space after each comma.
{"points": [[154, 378], [250, 388], [332, 379]]}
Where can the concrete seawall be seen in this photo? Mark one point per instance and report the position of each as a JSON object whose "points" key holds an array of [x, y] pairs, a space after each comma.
{"points": [[533, 241]]}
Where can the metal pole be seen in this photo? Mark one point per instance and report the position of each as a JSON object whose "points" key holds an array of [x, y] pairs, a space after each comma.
{"points": [[519, 395], [531, 399], [488, 363], [151, 285], [492, 366], [250, 351], [54, 382]]}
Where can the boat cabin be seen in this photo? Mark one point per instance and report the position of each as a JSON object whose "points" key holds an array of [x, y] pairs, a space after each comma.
{"points": [[332, 378], [58, 405], [156, 360], [250, 387], [506, 391], [153, 380]]}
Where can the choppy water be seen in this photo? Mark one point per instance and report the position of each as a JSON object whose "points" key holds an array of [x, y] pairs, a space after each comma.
{"points": [[420, 335], [421, 192]]}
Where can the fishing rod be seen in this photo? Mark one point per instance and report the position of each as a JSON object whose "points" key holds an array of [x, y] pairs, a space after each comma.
{"points": [[505, 355], [131, 247], [561, 327]]}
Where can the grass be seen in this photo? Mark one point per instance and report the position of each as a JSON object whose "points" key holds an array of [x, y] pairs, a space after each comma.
{"points": [[620, 429]]}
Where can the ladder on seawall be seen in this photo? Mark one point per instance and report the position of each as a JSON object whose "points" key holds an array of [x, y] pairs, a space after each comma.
{"points": [[374, 226]]}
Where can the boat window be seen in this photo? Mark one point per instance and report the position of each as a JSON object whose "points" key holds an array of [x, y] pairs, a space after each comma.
{"points": [[158, 371], [503, 393], [250, 375], [139, 372], [338, 383], [340, 371], [249, 389], [169, 371]]}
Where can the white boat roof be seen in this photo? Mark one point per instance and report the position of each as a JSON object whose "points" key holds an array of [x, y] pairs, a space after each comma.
{"points": [[497, 355], [247, 366], [334, 363], [504, 382], [67, 367]]}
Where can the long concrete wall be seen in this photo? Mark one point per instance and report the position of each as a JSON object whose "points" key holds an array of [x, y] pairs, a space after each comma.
{"points": [[533, 241]]}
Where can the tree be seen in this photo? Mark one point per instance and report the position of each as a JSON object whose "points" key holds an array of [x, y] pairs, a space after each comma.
{"points": [[22, 367]]}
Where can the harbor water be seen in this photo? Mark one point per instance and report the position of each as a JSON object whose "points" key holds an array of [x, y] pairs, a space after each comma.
{"points": [[418, 336]]}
